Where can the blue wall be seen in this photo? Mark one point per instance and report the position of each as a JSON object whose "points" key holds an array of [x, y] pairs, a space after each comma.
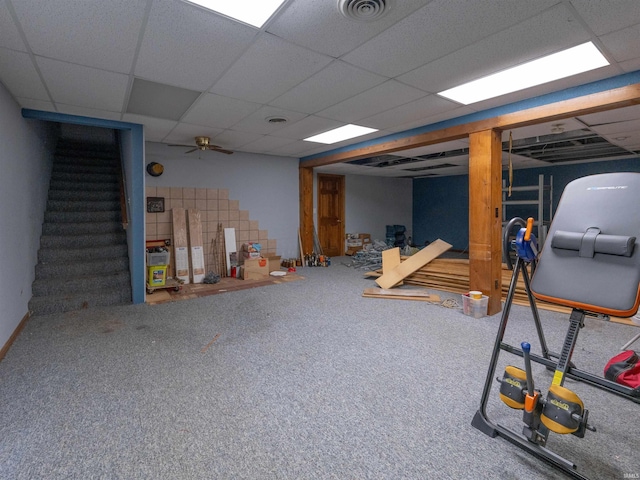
{"points": [[441, 205]]}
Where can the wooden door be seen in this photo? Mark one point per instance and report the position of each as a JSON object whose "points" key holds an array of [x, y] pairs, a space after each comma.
{"points": [[331, 214]]}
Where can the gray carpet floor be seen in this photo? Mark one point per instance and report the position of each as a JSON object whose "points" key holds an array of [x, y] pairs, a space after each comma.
{"points": [[300, 380]]}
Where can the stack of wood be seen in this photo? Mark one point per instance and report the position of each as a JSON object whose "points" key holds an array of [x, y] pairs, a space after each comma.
{"points": [[452, 275]]}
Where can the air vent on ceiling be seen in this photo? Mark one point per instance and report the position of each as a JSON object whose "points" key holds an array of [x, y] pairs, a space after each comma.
{"points": [[276, 120], [364, 10]]}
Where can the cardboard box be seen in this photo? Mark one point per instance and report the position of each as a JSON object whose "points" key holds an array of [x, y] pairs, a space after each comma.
{"points": [[274, 262], [255, 269]]}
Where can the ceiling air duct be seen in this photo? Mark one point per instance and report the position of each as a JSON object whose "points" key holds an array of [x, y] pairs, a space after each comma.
{"points": [[364, 10]]}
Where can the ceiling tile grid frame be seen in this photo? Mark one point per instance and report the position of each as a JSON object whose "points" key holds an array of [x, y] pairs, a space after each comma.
{"points": [[308, 63]]}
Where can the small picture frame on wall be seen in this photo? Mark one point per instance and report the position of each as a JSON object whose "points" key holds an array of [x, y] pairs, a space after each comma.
{"points": [[155, 204]]}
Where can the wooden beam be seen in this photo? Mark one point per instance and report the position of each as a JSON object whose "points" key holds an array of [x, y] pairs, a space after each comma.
{"points": [[592, 103], [306, 210], [485, 215]]}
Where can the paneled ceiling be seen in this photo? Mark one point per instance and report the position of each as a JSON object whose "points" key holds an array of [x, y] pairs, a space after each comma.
{"points": [[183, 71]]}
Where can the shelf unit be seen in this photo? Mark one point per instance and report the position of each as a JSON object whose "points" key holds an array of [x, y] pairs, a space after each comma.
{"points": [[543, 200]]}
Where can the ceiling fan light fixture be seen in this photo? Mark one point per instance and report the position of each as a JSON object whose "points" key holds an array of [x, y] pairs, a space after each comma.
{"points": [[364, 10]]}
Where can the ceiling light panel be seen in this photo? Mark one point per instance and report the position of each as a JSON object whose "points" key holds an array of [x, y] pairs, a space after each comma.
{"points": [[253, 12], [341, 133], [566, 63]]}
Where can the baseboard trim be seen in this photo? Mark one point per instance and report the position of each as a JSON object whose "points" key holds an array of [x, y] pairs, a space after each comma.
{"points": [[14, 335]]}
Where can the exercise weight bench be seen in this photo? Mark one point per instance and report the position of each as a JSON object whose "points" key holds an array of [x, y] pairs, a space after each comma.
{"points": [[591, 263]]}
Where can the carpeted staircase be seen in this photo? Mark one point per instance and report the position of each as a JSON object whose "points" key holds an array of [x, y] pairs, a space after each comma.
{"points": [[83, 260]]}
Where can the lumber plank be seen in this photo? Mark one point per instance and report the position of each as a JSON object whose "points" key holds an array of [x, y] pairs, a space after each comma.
{"points": [[407, 292], [391, 294], [196, 245], [413, 263], [390, 260], [180, 244]]}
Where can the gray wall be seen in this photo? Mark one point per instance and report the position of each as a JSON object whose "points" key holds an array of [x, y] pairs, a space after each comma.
{"points": [[372, 203], [25, 170], [265, 185]]}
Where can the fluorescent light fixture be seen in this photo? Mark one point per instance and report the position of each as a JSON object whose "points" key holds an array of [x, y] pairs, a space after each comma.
{"points": [[563, 64], [253, 12], [341, 133]]}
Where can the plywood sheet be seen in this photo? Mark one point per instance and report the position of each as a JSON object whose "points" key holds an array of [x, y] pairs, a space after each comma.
{"points": [[180, 244], [413, 263], [229, 246], [195, 245]]}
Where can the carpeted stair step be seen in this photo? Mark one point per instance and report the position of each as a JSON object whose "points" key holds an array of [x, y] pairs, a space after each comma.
{"points": [[86, 160], [97, 282], [78, 301], [67, 271], [88, 178], [79, 241], [66, 255], [67, 185], [82, 216], [80, 228], [83, 256], [85, 196], [82, 169]]}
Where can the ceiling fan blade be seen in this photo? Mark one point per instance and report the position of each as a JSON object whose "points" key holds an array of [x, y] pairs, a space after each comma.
{"points": [[216, 148], [189, 151], [179, 145]]}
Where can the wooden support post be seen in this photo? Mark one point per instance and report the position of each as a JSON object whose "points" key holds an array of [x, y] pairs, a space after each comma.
{"points": [[485, 215], [306, 210]]}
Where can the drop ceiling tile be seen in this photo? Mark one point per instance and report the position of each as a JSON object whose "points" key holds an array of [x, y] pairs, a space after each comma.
{"points": [[36, 104], [413, 112], [297, 149], [266, 143], [549, 32], [87, 112], [185, 133], [234, 140], [186, 46], [102, 36], [307, 127], [459, 111], [220, 112], [154, 99], [257, 121], [568, 124], [437, 29], [84, 86], [628, 140], [612, 116], [333, 84], [9, 35], [378, 99], [21, 78], [624, 44], [618, 128], [604, 17], [630, 65], [319, 26], [269, 68], [155, 129], [428, 149]]}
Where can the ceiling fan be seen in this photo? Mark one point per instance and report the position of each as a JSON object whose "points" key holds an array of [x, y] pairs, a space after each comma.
{"points": [[202, 143]]}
